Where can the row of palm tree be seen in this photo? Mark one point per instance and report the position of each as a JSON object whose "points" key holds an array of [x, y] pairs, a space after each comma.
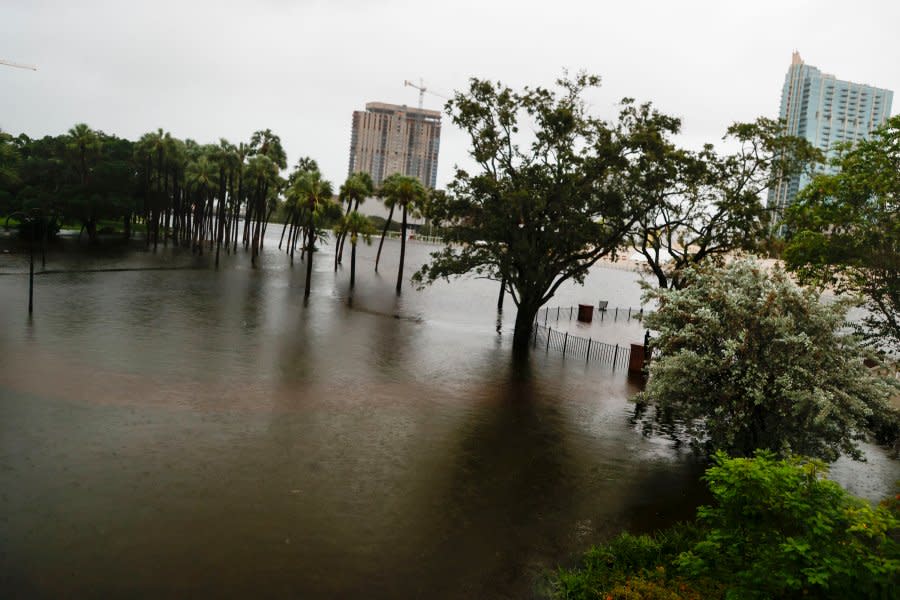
{"points": [[205, 196]]}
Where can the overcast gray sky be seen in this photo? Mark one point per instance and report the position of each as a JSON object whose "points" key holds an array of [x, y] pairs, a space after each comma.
{"points": [[205, 69]]}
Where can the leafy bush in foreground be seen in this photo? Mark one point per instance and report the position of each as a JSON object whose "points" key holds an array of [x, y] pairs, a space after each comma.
{"points": [[777, 529]]}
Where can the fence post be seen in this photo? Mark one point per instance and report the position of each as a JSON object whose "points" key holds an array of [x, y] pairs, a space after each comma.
{"points": [[565, 343], [615, 357], [549, 331], [589, 351]]}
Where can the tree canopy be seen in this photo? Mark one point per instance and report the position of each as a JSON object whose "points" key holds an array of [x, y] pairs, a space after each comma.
{"points": [[555, 191], [708, 205], [846, 231]]}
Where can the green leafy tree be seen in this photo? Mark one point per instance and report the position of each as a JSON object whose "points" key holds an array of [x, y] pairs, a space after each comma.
{"points": [[410, 195], [748, 360], [705, 205], [10, 160], [779, 529], [846, 231], [356, 226], [554, 192]]}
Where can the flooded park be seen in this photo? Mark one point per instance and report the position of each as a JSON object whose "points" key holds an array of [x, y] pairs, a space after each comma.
{"points": [[171, 429]]}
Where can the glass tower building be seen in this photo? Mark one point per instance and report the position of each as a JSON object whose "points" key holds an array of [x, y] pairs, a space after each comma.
{"points": [[826, 111]]}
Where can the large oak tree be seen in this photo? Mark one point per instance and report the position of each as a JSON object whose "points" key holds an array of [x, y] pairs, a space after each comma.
{"points": [[556, 189]]}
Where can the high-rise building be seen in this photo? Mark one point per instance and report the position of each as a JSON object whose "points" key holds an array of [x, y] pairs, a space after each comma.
{"points": [[388, 139], [826, 111]]}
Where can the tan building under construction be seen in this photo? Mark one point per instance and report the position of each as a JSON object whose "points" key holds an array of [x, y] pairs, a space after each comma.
{"points": [[389, 138]]}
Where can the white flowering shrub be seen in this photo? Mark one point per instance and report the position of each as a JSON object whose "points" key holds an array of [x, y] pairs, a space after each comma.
{"points": [[744, 359]]}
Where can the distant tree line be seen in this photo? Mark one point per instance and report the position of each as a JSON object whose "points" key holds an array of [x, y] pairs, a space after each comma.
{"points": [[206, 197]]}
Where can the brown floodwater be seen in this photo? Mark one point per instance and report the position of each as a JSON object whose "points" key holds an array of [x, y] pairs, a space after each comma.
{"points": [[198, 432]]}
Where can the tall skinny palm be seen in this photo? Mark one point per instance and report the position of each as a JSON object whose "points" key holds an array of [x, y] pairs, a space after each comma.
{"points": [[314, 192], [84, 143], [355, 190], [202, 180], [410, 195], [356, 226]]}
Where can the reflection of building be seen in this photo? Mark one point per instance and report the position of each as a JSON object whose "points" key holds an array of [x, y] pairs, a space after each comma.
{"points": [[826, 111], [388, 139]]}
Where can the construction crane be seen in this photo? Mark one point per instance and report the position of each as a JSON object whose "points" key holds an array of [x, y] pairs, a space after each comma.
{"points": [[17, 65], [422, 89]]}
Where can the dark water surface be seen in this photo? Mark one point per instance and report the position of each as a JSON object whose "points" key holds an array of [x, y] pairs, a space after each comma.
{"points": [[193, 432]]}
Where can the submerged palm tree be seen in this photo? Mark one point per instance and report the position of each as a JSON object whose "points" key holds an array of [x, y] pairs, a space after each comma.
{"points": [[410, 195], [314, 193], [262, 173], [355, 190], [356, 226]]}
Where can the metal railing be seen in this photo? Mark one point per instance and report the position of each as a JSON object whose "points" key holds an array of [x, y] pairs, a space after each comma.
{"points": [[588, 348], [557, 313]]}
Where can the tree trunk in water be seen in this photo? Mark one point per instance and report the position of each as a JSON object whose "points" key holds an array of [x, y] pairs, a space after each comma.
{"points": [[339, 242], [402, 251], [383, 233], [283, 229], [90, 226], [502, 293], [524, 326], [311, 246], [168, 203], [220, 229], [352, 264]]}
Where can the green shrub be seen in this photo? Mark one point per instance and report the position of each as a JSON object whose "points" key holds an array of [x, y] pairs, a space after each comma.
{"points": [[778, 529]]}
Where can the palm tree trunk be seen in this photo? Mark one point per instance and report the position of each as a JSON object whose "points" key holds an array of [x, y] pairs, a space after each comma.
{"points": [[339, 242], [402, 251], [310, 243], [383, 233], [352, 264]]}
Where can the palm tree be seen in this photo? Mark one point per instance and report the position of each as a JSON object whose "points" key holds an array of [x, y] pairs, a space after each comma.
{"points": [[266, 143], [355, 225], [355, 190], [84, 142], [314, 192], [154, 145], [410, 195], [225, 155], [201, 179], [262, 172]]}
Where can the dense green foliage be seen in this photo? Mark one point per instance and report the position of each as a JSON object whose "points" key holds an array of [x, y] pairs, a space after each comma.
{"points": [[184, 192], [846, 231], [555, 191], [748, 360], [776, 529]]}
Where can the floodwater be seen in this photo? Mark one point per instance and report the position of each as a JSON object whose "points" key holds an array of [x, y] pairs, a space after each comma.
{"points": [[198, 432]]}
